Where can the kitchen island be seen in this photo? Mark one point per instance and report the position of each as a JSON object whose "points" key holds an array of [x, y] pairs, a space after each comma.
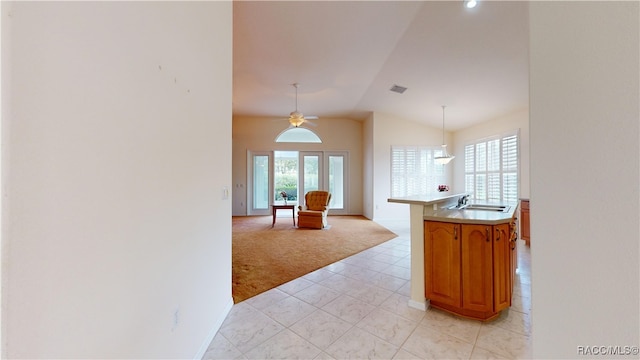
{"points": [[462, 255]]}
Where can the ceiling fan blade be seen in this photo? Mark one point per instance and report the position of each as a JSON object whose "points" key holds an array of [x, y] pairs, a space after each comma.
{"points": [[312, 117], [310, 123]]}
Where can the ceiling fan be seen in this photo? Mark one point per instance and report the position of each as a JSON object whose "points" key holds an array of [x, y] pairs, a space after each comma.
{"points": [[296, 118]]}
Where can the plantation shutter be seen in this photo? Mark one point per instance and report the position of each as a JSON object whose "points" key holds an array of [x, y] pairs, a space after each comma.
{"points": [[469, 169], [414, 171], [491, 168], [510, 168], [398, 172]]}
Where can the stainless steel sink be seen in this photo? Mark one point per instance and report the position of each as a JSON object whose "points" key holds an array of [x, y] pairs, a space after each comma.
{"points": [[500, 208], [485, 207]]}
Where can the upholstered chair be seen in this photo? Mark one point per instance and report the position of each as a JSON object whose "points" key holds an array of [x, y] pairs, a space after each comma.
{"points": [[313, 214]]}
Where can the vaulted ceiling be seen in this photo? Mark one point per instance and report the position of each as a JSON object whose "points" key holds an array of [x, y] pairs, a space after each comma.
{"points": [[346, 56]]}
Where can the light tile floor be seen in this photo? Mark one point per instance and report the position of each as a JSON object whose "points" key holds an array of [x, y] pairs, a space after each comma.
{"points": [[357, 309]]}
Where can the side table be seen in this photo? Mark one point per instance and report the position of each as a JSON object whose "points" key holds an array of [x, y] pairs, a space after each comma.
{"points": [[291, 207]]}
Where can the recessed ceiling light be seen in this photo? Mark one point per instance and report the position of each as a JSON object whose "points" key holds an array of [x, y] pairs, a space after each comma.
{"points": [[470, 4]]}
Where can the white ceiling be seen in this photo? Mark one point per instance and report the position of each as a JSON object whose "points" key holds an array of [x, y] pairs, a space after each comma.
{"points": [[347, 55]]}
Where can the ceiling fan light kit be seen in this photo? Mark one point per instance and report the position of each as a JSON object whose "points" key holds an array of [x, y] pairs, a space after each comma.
{"points": [[296, 118]]}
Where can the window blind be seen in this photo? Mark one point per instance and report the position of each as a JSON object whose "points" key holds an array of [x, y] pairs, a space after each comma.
{"points": [[414, 171], [491, 168]]}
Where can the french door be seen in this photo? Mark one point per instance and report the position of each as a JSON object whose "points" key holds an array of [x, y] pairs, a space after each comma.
{"points": [[336, 171], [316, 170], [260, 182]]}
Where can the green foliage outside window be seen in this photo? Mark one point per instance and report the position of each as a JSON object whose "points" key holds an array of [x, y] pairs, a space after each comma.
{"points": [[287, 183]]}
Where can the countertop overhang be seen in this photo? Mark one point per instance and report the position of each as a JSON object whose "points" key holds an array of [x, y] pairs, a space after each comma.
{"points": [[425, 199], [436, 209]]}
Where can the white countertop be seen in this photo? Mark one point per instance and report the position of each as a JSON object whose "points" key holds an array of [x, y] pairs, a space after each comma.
{"points": [[425, 199], [468, 216], [462, 216]]}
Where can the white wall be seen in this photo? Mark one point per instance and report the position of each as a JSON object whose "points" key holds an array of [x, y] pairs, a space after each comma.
{"points": [[5, 77], [118, 239], [259, 134], [585, 169], [518, 120], [368, 167], [389, 130]]}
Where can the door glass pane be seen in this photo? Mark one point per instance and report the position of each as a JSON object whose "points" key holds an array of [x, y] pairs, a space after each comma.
{"points": [[336, 182], [311, 175], [285, 175], [261, 182]]}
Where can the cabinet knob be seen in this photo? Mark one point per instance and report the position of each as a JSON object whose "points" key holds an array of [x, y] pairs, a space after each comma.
{"points": [[488, 235], [455, 233]]}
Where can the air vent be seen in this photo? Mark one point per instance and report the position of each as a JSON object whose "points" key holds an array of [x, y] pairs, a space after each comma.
{"points": [[399, 89]]}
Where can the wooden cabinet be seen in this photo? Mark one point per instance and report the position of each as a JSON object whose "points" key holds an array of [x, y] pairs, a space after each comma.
{"points": [[502, 282], [477, 268], [524, 221], [468, 268], [442, 262]]}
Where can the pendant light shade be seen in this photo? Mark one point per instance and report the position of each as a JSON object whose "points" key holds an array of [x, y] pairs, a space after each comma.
{"points": [[445, 157]]}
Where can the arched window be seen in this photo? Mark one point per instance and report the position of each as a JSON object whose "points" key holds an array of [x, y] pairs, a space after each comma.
{"points": [[298, 135]]}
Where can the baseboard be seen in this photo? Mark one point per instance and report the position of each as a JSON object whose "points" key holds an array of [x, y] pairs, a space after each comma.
{"points": [[420, 305], [214, 330]]}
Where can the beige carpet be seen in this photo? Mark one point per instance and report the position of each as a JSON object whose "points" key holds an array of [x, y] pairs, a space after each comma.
{"points": [[266, 257]]}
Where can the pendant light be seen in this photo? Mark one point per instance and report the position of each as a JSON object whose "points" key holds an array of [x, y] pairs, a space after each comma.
{"points": [[444, 158]]}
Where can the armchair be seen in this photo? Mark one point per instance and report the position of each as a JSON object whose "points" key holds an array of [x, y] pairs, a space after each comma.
{"points": [[313, 214]]}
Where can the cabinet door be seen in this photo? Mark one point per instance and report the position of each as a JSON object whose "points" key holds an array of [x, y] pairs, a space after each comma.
{"points": [[501, 267], [513, 247], [525, 221], [477, 268], [442, 262]]}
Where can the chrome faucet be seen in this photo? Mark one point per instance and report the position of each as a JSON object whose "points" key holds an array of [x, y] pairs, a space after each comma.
{"points": [[462, 200]]}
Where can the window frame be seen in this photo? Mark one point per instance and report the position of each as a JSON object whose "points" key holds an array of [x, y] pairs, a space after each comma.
{"points": [[504, 173]]}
